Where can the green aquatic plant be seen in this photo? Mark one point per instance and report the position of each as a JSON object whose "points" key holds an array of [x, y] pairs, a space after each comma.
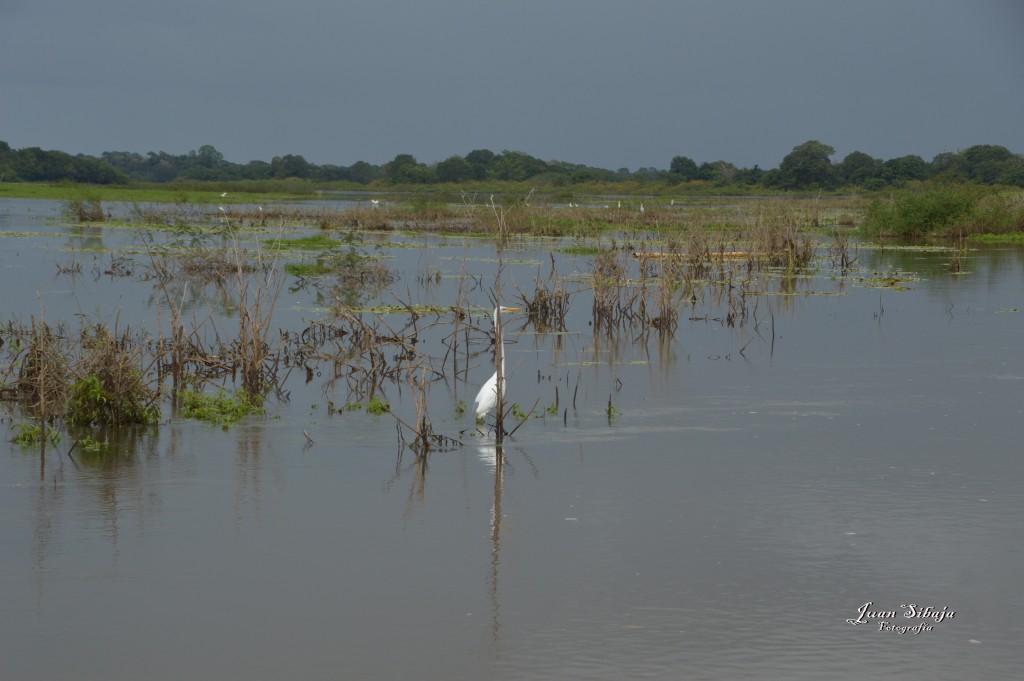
{"points": [[92, 446], [30, 435], [612, 411], [377, 406], [517, 412], [220, 408]]}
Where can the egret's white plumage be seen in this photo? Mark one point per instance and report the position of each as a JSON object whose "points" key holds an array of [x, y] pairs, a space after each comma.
{"points": [[487, 398]]}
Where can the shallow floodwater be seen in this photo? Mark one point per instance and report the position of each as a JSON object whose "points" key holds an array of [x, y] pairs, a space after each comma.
{"points": [[751, 490]]}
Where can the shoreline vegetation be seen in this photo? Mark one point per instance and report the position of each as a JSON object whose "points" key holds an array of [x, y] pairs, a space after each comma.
{"points": [[975, 191], [920, 209]]}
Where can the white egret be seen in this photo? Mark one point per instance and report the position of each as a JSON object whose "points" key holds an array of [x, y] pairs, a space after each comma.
{"points": [[223, 194], [487, 398], [375, 202]]}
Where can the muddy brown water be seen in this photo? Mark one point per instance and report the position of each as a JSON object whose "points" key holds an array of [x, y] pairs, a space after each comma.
{"points": [[728, 520]]}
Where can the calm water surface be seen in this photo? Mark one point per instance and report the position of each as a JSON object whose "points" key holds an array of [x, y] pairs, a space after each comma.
{"points": [[726, 524]]}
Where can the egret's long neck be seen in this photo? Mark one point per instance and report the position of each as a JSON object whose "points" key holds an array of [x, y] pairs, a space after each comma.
{"points": [[499, 340]]}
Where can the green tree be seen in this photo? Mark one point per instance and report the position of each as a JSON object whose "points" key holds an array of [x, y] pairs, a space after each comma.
{"points": [[162, 167], [901, 170], [209, 157], [37, 165], [684, 168], [1012, 171], [257, 170], [984, 162], [400, 168], [808, 167], [454, 169], [329, 172], [290, 165], [482, 157], [363, 172], [580, 174], [405, 169], [750, 175], [719, 172], [517, 166], [7, 163], [948, 167], [649, 174], [858, 168]]}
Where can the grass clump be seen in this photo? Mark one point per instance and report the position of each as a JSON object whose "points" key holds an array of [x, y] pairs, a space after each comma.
{"points": [[83, 209], [98, 377], [219, 409], [111, 388], [318, 268]]}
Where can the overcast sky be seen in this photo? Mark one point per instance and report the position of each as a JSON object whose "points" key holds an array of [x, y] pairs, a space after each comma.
{"points": [[606, 83]]}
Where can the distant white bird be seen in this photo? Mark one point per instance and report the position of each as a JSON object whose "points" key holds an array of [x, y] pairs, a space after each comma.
{"points": [[375, 202], [223, 194], [641, 208], [487, 398], [620, 204]]}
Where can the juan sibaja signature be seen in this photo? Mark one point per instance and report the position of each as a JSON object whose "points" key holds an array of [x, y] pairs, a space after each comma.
{"points": [[887, 619]]}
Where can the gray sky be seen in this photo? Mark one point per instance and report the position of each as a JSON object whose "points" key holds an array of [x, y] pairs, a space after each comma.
{"points": [[609, 84]]}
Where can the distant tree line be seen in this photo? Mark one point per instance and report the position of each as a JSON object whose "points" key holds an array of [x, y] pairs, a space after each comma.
{"points": [[36, 165], [807, 166]]}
